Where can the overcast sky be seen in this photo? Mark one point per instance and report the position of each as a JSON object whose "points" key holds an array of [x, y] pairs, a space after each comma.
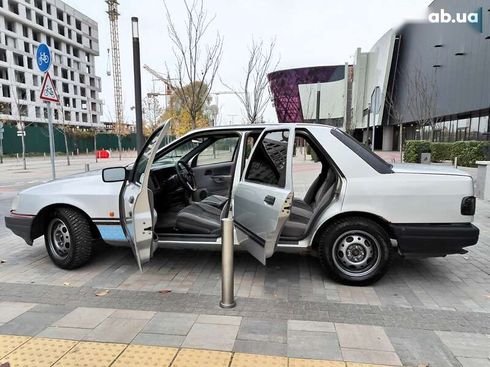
{"points": [[307, 33]]}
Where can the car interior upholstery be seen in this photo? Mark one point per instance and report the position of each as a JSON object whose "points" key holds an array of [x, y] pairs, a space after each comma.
{"points": [[200, 213]]}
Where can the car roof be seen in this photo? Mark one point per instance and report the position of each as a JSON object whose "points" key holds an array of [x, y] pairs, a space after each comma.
{"points": [[260, 126]]}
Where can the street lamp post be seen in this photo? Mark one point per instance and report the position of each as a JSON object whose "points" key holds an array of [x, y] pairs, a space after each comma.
{"points": [[137, 84]]}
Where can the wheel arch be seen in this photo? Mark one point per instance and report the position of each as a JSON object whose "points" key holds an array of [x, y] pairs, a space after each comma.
{"points": [[376, 218], [41, 220]]}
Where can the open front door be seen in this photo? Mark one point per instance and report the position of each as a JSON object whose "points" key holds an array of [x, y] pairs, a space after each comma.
{"points": [[136, 201], [263, 197]]}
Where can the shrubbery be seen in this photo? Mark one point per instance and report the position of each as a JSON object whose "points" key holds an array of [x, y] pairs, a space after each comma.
{"points": [[468, 152]]}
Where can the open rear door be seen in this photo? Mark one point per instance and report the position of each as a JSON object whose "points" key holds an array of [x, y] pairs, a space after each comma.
{"points": [[136, 201], [263, 197]]}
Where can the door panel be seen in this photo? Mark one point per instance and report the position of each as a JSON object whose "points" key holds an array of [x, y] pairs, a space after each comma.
{"points": [[263, 197], [138, 216], [215, 178]]}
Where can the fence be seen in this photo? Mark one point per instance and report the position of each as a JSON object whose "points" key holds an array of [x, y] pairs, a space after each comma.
{"points": [[37, 141]]}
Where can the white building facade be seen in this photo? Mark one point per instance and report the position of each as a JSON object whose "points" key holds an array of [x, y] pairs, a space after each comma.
{"points": [[73, 40]]}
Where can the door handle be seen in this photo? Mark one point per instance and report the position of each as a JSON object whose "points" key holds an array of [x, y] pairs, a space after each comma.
{"points": [[269, 199], [131, 199]]}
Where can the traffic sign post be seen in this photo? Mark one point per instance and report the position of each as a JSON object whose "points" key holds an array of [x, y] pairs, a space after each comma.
{"points": [[48, 94]]}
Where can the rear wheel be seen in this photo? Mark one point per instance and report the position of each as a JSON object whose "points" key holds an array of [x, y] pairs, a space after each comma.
{"points": [[355, 250], [68, 238]]}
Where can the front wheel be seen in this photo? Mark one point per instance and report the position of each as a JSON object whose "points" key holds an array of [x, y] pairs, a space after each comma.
{"points": [[355, 251], [68, 238]]}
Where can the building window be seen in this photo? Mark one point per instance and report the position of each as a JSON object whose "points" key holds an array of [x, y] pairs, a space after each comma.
{"points": [[82, 92], [68, 19], [4, 74], [75, 89], [33, 95], [483, 129], [59, 14], [66, 101], [40, 19], [84, 117], [92, 94], [74, 102], [7, 109], [14, 7], [65, 88], [38, 112], [57, 45], [3, 55], [79, 38], [23, 110], [67, 116], [18, 60], [28, 14], [50, 24], [64, 73], [76, 52], [35, 36], [38, 4], [6, 91], [10, 25], [25, 31], [27, 47], [48, 8], [78, 24], [61, 30], [473, 130], [55, 70], [29, 62], [10, 41], [21, 93], [81, 77], [35, 80], [94, 119], [20, 77]]}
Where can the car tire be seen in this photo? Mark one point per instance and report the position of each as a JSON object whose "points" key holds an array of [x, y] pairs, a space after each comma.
{"points": [[355, 251], [68, 238]]}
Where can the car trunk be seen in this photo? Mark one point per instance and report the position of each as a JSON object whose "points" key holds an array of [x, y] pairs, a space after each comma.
{"points": [[428, 169]]}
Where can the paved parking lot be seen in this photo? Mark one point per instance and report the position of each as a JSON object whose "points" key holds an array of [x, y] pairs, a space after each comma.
{"points": [[432, 311]]}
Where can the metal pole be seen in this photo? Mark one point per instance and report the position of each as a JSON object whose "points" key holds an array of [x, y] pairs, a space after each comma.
{"points": [[227, 272], [1, 142], [140, 140], [368, 123], [52, 151], [317, 103]]}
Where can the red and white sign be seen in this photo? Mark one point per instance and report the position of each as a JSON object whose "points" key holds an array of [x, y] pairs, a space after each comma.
{"points": [[48, 91]]}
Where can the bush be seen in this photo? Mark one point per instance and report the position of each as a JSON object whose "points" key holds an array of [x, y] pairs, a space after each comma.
{"points": [[468, 152], [441, 152], [413, 149]]}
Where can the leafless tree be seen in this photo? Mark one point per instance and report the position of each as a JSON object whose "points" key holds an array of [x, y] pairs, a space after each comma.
{"points": [[196, 64], [19, 112], [253, 93], [64, 128], [395, 117], [422, 99], [152, 113]]}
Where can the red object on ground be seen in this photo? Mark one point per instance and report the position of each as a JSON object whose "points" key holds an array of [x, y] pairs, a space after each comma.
{"points": [[102, 153]]}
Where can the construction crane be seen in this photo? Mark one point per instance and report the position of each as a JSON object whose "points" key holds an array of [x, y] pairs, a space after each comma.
{"points": [[116, 64]]}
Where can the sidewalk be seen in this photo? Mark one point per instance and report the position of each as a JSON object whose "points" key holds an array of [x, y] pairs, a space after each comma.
{"points": [[44, 352]]}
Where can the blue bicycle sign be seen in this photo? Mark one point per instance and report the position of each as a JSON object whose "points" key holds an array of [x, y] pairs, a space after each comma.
{"points": [[43, 57]]}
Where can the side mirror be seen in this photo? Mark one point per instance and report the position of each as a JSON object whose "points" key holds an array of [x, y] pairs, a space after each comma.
{"points": [[114, 174]]}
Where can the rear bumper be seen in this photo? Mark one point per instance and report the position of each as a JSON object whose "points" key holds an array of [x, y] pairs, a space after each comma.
{"points": [[434, 239], [21, 225]]}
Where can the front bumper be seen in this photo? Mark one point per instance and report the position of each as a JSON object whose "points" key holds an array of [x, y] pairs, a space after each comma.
{"points": [[434, 239], [21, 225]]}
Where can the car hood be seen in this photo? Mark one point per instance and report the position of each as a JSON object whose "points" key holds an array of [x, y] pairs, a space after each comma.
{"points": [[428, 169]]}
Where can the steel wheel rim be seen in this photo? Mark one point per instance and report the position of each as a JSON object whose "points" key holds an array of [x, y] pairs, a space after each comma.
{"points": [[356, 253], [59, 238]]}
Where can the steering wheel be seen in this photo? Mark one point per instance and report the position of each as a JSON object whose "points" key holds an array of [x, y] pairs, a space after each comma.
{"points": [[186, 176]]}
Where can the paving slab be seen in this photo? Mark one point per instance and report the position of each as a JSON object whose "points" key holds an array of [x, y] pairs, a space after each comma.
{"points": [[133, 314], [466, 344], [302, 325], [211, 336], [260, 347], [116, 330], [371, 356], [171, 323], [163, 340], [219, 319], [85, 317], [363, 337], [420, 347], [474, 362], [263, 330], [56, 332], [30, 323], [313, 344], [10, 310]]}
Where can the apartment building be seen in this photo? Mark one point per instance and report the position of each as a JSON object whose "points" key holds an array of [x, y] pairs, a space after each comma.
{"points": [[73, 40]]}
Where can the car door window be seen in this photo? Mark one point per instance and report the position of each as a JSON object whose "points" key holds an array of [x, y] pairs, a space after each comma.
{"points": [[221, 151], [269, 160]]}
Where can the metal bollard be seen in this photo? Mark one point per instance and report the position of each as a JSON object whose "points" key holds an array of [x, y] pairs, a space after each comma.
{"points": [[87, 167], [227, 271], [455, 162]]}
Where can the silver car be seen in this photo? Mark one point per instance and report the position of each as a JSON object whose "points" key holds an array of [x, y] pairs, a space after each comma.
{"points": [[356, 213]]}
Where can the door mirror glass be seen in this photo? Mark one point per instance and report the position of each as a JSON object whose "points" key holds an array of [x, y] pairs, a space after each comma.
{"points": [[114, 174]]}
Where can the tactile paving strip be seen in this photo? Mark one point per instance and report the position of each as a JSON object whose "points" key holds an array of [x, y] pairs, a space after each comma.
{"points": [[201, 358], [255, 360], [91, 354], [143, 355], [9, 343], [39, 352], [298, 362]]}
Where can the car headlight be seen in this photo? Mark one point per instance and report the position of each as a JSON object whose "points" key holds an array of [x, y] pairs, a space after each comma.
{"points": [[15, 202]]}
